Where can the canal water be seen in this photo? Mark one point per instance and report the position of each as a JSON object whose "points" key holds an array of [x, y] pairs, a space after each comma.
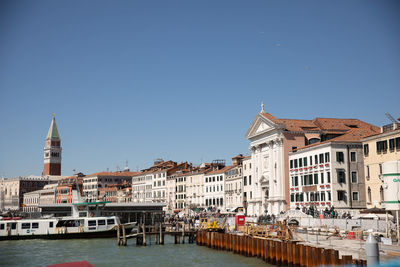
{"points": [[105, 252]]}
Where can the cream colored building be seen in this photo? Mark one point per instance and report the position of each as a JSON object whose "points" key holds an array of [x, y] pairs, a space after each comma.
{"points": [[234, 185], [195, 186], [378, 149]]}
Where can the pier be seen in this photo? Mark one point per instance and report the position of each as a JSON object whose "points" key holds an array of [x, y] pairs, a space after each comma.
{"points": [[274, 251], [146, 233]]}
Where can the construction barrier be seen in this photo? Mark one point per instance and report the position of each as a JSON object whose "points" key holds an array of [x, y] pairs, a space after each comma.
{"points": [[276, 252]]}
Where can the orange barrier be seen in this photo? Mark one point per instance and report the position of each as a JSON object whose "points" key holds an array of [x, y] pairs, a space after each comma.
{"points": [[277, 252]]}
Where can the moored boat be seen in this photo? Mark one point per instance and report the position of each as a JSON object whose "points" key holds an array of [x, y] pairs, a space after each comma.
{"points": [[84, 223]]}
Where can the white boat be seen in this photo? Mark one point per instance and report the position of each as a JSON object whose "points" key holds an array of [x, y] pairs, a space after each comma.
{"points": [[82, 224]]}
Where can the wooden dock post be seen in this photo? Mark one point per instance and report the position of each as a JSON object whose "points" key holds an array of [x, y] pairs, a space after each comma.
{"points": [[295, 254], [335, 257], [123, 235], [301, 255], [161, 235], [118, 236], [183, 233], [144, 235]]}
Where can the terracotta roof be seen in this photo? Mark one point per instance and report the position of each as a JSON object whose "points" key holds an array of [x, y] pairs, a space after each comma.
{"points": [[120, 174], [353, 135], [326, 125], [225, 169]]}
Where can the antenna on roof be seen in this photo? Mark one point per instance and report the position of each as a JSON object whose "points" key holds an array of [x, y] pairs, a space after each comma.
{"points": [[390, 117]]}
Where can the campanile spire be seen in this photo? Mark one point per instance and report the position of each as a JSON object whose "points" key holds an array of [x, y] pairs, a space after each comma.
{"points": [[52, 151]]}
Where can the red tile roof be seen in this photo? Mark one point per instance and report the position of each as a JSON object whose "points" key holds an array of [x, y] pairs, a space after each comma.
{"points": [[326, 125], [225, 169], [120, 174], [348, 130]]}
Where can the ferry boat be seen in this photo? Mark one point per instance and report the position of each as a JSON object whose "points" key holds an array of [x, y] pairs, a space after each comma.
{"points": [[82, 224]]}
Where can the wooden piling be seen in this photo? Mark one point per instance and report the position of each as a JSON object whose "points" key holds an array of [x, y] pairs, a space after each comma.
{"points": [[144, 235], [123, 235], [118, 236]]}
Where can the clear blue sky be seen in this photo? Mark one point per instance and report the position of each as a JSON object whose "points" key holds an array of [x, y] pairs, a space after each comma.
{"points": [[182, 80]]}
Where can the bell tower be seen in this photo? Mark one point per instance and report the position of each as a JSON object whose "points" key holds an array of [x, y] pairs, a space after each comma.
{"points": [[52, 151]]}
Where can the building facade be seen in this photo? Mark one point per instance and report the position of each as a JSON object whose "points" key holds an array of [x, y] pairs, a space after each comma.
{"points": [[233, 185], [214, 185], [271, 140], [92, 184], [12, 190], [326, 175], [378, 149], [195, 186]]}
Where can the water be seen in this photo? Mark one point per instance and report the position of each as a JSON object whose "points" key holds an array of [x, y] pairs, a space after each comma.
{"points": [[105, 252]]}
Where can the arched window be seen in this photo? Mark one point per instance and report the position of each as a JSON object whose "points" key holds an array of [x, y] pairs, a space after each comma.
{"points": [[382, 195]]}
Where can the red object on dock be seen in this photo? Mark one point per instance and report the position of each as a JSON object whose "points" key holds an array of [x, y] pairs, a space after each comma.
{"points": [[239, 220], [351, 235], [73, 264]]}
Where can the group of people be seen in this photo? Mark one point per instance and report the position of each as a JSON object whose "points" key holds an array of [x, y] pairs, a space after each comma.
{"points": [[329, 213]]}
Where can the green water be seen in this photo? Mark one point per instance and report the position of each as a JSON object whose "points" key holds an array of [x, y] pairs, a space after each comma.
{"points": [[105, 252]]}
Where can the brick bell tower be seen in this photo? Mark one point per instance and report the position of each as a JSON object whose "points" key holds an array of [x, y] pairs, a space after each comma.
{"points": [[52, 151]]}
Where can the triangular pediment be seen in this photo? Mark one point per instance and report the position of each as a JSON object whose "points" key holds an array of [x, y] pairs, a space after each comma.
{"points": [[260, 125]]}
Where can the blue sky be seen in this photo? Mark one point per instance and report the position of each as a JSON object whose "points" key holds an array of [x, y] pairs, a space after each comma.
{"points": [[182, 80]]}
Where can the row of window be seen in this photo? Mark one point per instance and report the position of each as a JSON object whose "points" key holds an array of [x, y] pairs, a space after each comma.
{"points": [[321, 158], [219, 188], [215, 202], [159, 183], [382, 146], [315, 179], [302, 162], [245, 180], [180, 196], [321, 196], [311, 196], [310, 179], [212, 179], [159, 194], [101, 222]]}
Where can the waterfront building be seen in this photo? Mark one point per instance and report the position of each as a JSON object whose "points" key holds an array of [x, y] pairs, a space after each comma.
{"points": [[172, 175], [252, 206], [94, 182], [195, 186], [233, 184], [142, 187], [271, 140], [12, 190], [45, 196], [64, 188], [378, 149], [116, 193], [214, 185], [329, 173], [48, 194], [31, 202], [171, 194], [180, 191], [52, 151], [159, 179]]}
